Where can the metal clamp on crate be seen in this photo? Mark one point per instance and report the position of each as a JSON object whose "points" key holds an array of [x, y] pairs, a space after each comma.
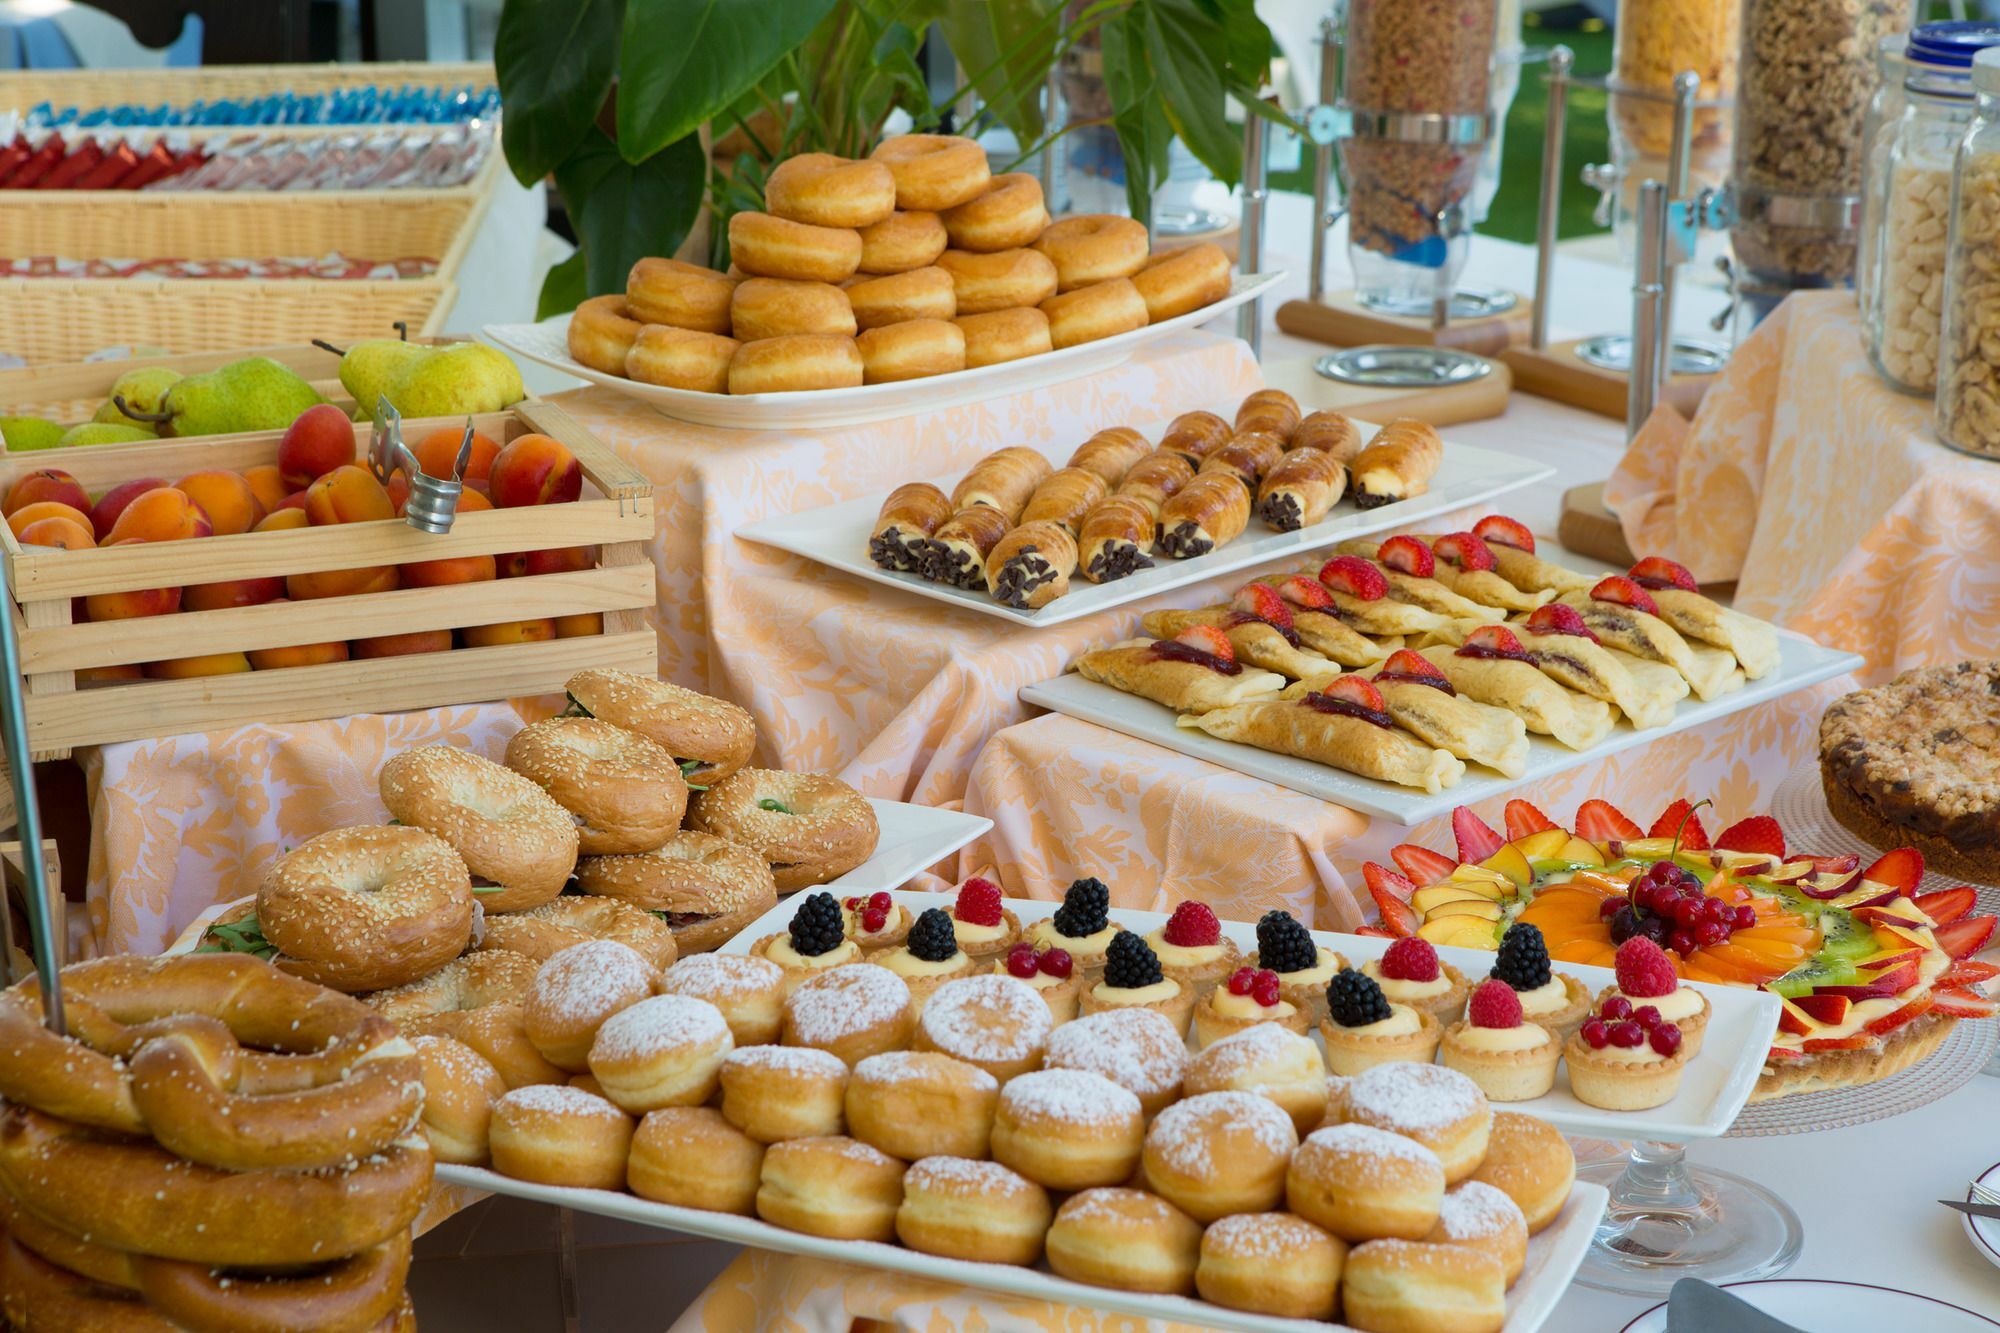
{"points": [[433, 502]]}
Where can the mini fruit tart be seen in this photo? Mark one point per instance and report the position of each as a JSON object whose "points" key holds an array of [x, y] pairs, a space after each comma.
{"points": [[1363, 1029], [1511, 1059], [1082, 927], [1647, 980], [1619, 1063], [1252, 995], [815, 942], [1548, 999], [1193, 950], [1133, 980], [1303, 967], [984, 926], [876, 921], [1050, 973], [928, 958], [1411, 973]]}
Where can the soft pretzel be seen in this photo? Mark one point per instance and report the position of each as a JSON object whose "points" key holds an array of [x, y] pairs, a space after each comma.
{"points": [[810, 827], [478, 1000], [512, 836], [1004, 480], [358, 909], [626, 791], [1064, 498], [711, 738], [37, 1294], [352, 1295]]}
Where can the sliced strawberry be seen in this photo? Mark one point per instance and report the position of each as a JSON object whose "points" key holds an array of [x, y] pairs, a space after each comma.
{"points": [[1421, 864], [1301, 590], [1407, 662], [1624, 592], [1946, 905], [1778, 1055], [1354, 576], [1476, 841], [1656, 571], [1392, 882], [1901, 870], [1499, 530], [1555, 618], [1398, 917], [1916, 1008], [1860, 1041], [1207, 639], [1759, 833], [1680, 819], [1969, 972], [1464, 550], [1962, 939], [1523, 819], [1494, 638], [1262, 601], [1407, 555], [1601, 821], [1961, 1003], [1356, 690], [1373, 932], [1830, 1010]]}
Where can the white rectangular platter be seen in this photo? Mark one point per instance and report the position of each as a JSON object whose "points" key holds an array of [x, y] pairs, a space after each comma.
{"points": [[548, 343], [913, 838], [837, 535], [1553, 1257], [1714, 1088], [1802, 662]]}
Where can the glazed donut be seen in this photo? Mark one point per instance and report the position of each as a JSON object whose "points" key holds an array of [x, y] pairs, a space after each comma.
{"points": [[543, 932], [829, 191], [140, 1197], [1402, 1286], [478, 1000], [1000, 280], [914, 1104], [914, 349], [1361, 1183], [37, 1296], [559, 1135], [996, 1023], [1010, 214], [1271, 410], [1127, 1239], [774, 1093], [1089, 248], [510, 834], [601, 334], [1137, 1049], [625, 792], [353, 1295], [1483, 1218], [1531, 1163], [460, 1087], [681, 296], [1101, 310], [934, 171], [902, 242], [920, 293], [1220, 1153], [691, 1157], [360, 909], [1271, 1263], [781, 307], [1068, 1130], [767, 247], [1174, 283], [708, 887], [1271, 1062], [748, 992], [681, 359], [663, 1051], [1004, 335], [575, 991], [711, 738], [795, 364], [833, 1186], [1438, 1107], [962, 1208], [854, 1011], [810, 827]]}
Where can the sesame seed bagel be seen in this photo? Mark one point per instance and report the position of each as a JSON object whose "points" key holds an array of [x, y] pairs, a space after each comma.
{"points": [[627, 793], [544, 931], [361, 909], [810, 827], [510, 832], [708, 887], [714, 733]]}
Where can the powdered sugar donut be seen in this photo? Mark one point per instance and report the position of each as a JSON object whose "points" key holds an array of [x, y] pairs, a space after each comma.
{"points": [[575, 992], [1068, 1129], [914, 1104], [774, 1093], [854, 1011], [663, 1051], [554, 1134], [1220, 1153], [1137, 1049], [1438, 1107], [995, 1022]]}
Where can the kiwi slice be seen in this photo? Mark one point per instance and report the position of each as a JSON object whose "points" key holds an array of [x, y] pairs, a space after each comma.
{"points": [[1820, 971], [1844, 937]]}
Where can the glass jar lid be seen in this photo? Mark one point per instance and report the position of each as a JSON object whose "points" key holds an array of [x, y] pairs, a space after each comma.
{"points": [[1951, 44], [1891, 52]]}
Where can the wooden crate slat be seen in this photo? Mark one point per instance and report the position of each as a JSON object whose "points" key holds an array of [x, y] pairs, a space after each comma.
{"points": [[612, 474]]}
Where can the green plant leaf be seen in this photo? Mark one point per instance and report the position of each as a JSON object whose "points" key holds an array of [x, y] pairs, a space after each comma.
{"points": [[1189, 55], [554, 59], [682, 61], [563, 289], [623, 212], [1007, 47], [1144, 136]]}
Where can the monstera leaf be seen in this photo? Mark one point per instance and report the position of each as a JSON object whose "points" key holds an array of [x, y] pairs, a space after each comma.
{"points": [[681, 62], [554, 59]]}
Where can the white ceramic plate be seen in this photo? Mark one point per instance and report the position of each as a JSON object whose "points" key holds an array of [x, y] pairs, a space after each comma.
{"points": [[1715, 1086], [1818, 1305], [1985, 1231], [548, 343], [1802, 663], [837, 535], [914, 837]]}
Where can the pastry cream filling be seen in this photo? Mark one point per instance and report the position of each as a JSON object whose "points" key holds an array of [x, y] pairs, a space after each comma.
{"points": [[1317, 975], [1863, 1012], [783, 954], [1041, 980], [851, 919], [1183, 955], [1231, 1005], [1521, 1037], [1682, 1003], [1398, 989], [1045, 932], [906, 964], [1401, 1022], [1548, 997], [1642, 1054], [973, 933], [1163, 989]]}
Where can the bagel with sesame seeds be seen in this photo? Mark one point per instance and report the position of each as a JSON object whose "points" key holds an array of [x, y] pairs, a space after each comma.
{"points": [[625, 793], [809, 827], [517, 842], [711, 738]]}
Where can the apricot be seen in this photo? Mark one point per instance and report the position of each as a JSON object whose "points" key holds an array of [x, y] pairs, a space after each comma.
{"points": [[162, 515], [128, 605], [348, 494], [235, 592], [45, 483], [267, 484], [534, 470], [69, 534], [284, 518], [437, 573], [404, 645], [399, 491], [341, 582], [472, 500], [511, 631], [580, 626], [556, 560], [296, 500], [206, 664], [106, 675], [225, 497], [437, 451], [30, 514], [297, 655], [319, 440], [112, 503]]}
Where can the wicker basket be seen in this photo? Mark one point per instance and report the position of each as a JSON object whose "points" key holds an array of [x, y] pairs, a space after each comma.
{"points": [[87, 88]]}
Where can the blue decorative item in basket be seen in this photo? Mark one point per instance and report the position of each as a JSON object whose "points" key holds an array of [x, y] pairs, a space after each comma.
{"points": [[405, 105]]}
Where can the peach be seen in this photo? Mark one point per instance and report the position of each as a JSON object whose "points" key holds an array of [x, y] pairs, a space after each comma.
{"points": [[341, 582], [298, 655], [348, 494], [206, 664], [319, 440], [70, 534], [557, 560], [404, 645], [112, 503], [579, 626], [162, 515], [225, 497], [437, 573], [284, 518], [41, 509], [132, 605], [437, 451], [267, 484], [512, 631], [46, 483], [296, 500], [534, 470], [106, 675], [235, 592]]}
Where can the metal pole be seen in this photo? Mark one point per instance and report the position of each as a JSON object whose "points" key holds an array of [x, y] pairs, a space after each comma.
{"points": [[1687, 84], [1250, 244], [1560, 59], [1648, 356], [1051, 98], [21, 772], [1329, 91]]}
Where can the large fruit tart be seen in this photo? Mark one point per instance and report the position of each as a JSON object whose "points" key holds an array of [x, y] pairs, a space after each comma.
{"points": [[1871, 973]]}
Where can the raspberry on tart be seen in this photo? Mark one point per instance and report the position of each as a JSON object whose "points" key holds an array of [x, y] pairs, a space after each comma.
{"points": [[1082, 927], [1510, 1058], [1133, 979], [1192, 948], [1302, 964], [1362, 1028], [1410, 972], [985, 926], [1646, 977]]}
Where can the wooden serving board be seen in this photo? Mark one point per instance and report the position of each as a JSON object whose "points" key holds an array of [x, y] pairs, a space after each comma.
{"points": [[1340, 318], [1480, 400], [1557, 373]]}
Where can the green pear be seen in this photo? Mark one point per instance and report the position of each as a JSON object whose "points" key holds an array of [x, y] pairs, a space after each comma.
{"points": [[103, 432], [23, 434], [367, 367], [143, 391], [255, 393], [456, 379]]}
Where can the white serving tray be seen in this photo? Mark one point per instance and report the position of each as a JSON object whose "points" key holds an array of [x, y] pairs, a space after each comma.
{"points": [[837, 535], [548, 343], [914, 838], [1802, 663], [1715, 1086]]}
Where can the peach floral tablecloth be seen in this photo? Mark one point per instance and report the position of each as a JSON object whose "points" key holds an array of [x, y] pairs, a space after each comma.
{"points": [[1825, 495]]}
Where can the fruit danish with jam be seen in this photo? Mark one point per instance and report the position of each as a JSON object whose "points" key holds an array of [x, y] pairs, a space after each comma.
{"points": [[1346, 726], [1258, 624], [1196, 671]]}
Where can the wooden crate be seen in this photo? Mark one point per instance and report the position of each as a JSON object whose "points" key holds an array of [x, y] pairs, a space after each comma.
{"points": [[615, 514]]}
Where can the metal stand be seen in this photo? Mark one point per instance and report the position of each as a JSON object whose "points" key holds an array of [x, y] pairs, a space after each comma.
{"points": [[42, 927], [1250, 245]]}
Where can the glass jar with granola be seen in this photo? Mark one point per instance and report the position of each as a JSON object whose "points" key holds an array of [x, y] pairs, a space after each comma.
{"points": [[1968, 388], [1885, 108]]}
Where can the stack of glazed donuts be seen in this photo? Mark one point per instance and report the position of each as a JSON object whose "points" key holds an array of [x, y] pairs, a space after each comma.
{"points": [[915, 261], [215, 1145]]}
